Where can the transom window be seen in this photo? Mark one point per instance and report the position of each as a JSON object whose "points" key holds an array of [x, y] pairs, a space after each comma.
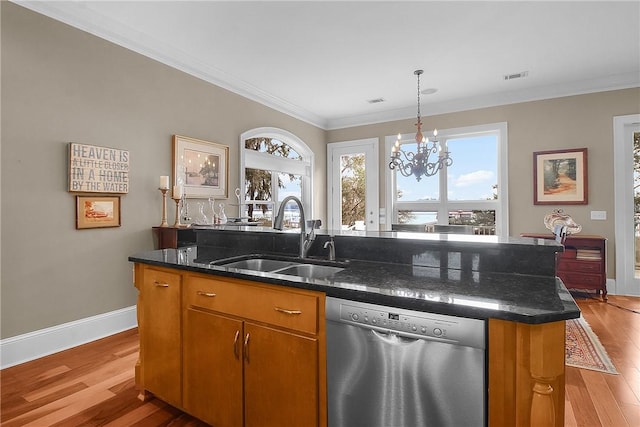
{"points": [[471, 193], [274, 164]]}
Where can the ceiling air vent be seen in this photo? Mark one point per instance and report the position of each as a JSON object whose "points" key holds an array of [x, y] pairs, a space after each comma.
{"points": [[375, 101], [519, 75]]}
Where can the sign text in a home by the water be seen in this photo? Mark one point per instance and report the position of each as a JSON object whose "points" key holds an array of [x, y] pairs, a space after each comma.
{"points": [[95, 169]]}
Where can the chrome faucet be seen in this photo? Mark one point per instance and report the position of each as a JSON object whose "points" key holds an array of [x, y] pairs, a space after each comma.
{"points": [[331, 244], [305, 239]]}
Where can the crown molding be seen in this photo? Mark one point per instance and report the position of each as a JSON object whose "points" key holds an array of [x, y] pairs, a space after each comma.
{"points": [[609, 83]]}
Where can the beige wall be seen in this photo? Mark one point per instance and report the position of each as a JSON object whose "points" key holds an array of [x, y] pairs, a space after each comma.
{"points": [[59, 85], [569, 122]]}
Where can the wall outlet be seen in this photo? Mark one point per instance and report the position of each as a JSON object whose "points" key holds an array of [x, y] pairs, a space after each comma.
{"points": [[599, 215]]}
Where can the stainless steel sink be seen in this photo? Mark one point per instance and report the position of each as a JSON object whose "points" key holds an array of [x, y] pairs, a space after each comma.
{"points": [[259, 264], [291, 267], [311, 271]]}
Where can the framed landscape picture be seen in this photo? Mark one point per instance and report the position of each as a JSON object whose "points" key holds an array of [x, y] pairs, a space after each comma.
{"points": [[200, 167], [560, 177], [97, 211]]}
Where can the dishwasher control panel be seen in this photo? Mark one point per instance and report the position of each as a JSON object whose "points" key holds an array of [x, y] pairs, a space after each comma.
{"points": [[414, 324]]}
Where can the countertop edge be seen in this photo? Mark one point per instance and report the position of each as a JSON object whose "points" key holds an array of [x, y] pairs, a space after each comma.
{"points": [[370, 297]]}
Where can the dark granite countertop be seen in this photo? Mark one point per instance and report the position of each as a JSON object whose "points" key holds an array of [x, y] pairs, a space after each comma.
{"points": [[465, 292]]}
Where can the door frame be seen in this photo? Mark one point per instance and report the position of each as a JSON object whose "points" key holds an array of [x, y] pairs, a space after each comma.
{"points": [[370, 146], [625, 283]]}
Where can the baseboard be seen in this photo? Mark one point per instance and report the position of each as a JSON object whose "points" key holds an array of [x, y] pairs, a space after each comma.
{"points": [[32, 345]]}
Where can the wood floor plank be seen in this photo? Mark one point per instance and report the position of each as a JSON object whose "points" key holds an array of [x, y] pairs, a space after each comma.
{"points": [[605, 404], [67, 406], [576, 390], [631, 413], [138, 414]]}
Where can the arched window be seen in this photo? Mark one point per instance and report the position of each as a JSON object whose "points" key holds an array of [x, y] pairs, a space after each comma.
{"points": [[274, 164]]}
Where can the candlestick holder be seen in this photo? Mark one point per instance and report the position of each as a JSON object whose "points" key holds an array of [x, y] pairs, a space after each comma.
{"points": [[177, 224], [164, 207]]}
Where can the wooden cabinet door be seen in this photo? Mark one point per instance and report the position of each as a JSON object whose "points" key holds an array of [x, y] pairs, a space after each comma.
{"points": [[213, 368], [160, 334], [281, 378]]}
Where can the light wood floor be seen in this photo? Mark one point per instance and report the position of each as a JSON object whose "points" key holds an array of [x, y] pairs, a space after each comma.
{"points": [[92, 385]]}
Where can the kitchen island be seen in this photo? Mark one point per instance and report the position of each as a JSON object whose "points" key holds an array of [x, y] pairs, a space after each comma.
{"points": [[509, 282]]}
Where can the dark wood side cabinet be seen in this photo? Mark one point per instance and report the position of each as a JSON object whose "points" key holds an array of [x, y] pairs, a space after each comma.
{"points": [[582, 265], [172, 237]]}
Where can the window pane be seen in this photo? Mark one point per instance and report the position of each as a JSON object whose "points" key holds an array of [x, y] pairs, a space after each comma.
{"points": [[353, 191], [474, 173], [289, 185], [417, 217], [262, 213], [483, 222], [258, 184], [410, 189], [272, 146]]}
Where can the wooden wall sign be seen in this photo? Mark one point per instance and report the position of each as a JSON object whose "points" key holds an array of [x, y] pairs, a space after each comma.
{"points": [[94, 169]]}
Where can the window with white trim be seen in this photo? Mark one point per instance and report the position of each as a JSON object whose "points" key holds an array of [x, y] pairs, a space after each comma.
{"points": [[274, 164], [472, 192]]}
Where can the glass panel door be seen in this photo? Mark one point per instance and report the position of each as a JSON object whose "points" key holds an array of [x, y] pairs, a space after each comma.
{"points": [[353, 185], [626, 131], [636, 203]]}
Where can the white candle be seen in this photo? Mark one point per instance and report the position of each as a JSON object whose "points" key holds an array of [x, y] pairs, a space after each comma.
{"points": [[177, 191], [164, 182]]}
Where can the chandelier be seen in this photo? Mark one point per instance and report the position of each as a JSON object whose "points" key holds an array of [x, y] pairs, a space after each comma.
{"points": [[418, 164]]}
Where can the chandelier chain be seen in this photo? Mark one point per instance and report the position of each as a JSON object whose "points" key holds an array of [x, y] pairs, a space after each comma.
{"points": [[417, 73]]}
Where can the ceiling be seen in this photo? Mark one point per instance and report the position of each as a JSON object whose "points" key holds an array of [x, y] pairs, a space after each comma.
{"points": [[322, 61]]}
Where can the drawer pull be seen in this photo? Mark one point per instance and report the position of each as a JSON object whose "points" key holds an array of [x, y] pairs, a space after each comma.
{"points": [[246, 347], [161, 285], [206, 294], [285, 311], [235, 344]]}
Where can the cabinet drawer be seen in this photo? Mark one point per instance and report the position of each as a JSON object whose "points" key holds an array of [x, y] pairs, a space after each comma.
{"points": [[160, 278], [285, 308], [581, 280], [581, 266]]}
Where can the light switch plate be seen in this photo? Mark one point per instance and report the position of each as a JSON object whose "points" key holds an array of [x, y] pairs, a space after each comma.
{"points": [[599, 215]]}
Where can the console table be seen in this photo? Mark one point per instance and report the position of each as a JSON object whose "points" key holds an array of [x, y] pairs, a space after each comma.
{"points": [[172, 237], [582, 265]]}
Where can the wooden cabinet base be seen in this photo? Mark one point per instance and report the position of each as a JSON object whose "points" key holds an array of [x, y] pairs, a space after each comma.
{"points": [[231, 352], [526, 374]]}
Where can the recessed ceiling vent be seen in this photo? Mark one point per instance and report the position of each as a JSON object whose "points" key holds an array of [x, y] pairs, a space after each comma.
{"points": [[375, 101], [519, 75]]}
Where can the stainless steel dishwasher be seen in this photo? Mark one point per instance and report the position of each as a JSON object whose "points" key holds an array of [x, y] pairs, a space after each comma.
{"points": [[389, 367]]}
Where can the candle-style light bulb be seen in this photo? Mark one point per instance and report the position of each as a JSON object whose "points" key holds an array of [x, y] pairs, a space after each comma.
{"points": [[435, 133]]}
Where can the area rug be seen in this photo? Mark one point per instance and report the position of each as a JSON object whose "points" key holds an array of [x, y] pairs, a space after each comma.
{"points": [[584, 350]]}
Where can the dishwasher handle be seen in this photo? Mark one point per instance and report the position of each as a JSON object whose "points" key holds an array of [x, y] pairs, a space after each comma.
{"points": [[392, 337]]}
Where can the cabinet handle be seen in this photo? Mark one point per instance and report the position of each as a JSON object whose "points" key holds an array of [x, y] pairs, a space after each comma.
{"points": [[285, 311], [161, 285], [206, 294], [246, 347], [235, 344]]}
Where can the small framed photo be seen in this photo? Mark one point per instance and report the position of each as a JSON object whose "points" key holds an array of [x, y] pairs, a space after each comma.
{"points": [[200, 167], [97, 211], [560, 177]]}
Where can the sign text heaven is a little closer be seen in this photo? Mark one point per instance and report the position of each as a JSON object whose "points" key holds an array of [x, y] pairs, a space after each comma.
{"points": [[95, 169]]}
